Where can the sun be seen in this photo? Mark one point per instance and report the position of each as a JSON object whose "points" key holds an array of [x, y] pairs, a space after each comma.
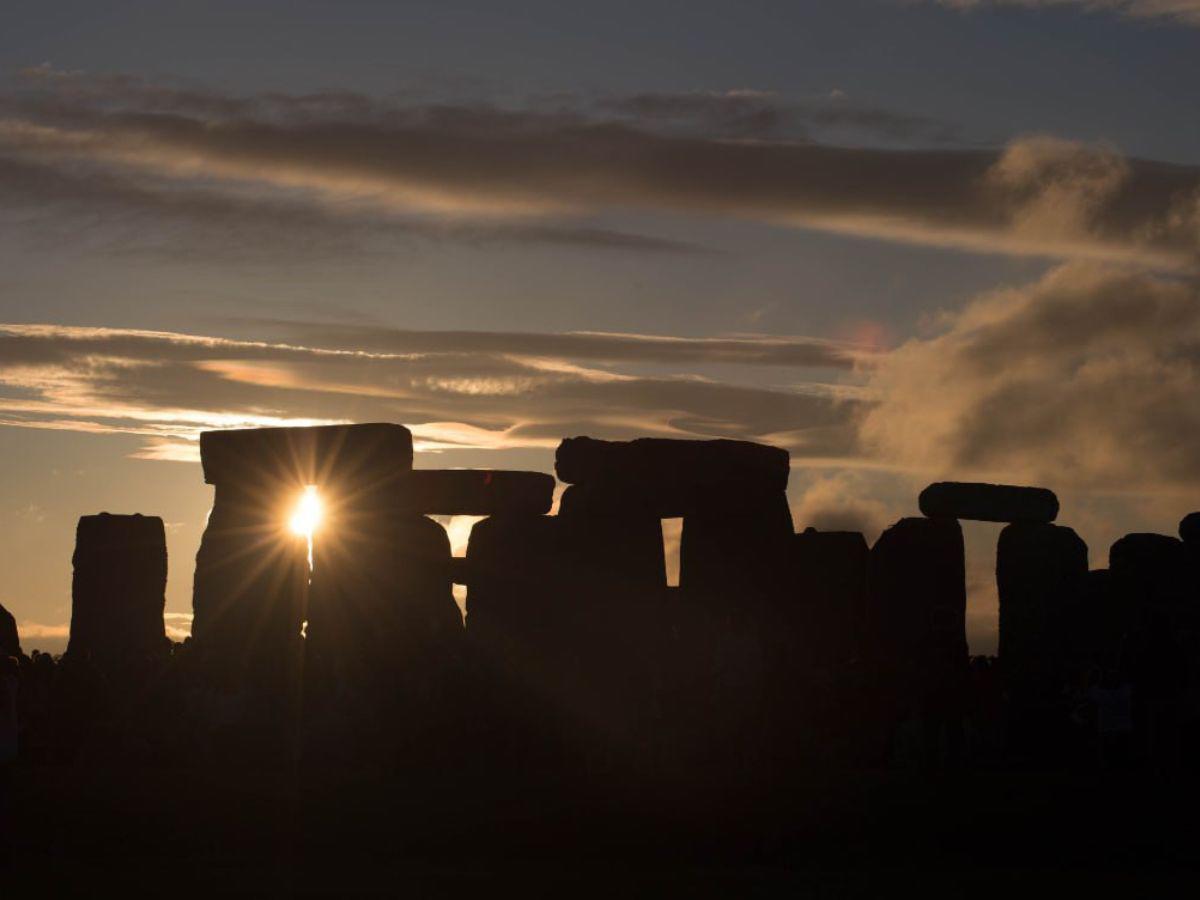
{"points": [[307, 515]]}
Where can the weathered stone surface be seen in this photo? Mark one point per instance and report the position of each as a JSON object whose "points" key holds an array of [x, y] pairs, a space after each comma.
{"points": [[917, 604], [675, 467], [1189, 529], [1038, 567], [10, 641], [988, 502], [475, 492], [313, 455], [118, 587]]}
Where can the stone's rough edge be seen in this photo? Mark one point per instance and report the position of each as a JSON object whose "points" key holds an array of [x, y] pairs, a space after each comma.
{"points": [[309, 452], [985, 502]]}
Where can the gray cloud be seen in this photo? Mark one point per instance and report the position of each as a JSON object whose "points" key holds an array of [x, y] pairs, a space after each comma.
{"points": [[763, 114], [478, 164]]}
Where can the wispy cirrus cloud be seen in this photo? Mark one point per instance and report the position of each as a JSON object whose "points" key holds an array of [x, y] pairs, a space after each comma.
{"points": [[456, 389], [348, 162]]}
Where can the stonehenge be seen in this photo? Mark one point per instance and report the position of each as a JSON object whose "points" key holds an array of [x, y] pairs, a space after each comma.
{"points": [[118, 588], [573, 652]]}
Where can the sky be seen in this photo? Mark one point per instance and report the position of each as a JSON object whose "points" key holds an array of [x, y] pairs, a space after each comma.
{"points": [[908, 240]]}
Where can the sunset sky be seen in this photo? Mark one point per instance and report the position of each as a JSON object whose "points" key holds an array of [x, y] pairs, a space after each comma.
{"points": [[906, 240]]}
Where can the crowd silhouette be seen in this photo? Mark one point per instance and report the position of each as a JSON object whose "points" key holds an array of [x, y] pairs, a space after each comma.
{"points": [[578, 676]]}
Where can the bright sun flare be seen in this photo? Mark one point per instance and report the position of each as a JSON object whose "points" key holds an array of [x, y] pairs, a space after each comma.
{"points": [[307, 516]]}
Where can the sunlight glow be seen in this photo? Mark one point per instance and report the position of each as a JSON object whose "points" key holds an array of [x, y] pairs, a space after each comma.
{"points": [[307, 515]]}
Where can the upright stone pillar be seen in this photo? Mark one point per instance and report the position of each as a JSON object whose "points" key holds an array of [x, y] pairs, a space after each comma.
{"points": [[917, 604], [614, 578], [10, 641], [826, 606], [1038, 567], [118, 589], [520, 648], [251, 581]]}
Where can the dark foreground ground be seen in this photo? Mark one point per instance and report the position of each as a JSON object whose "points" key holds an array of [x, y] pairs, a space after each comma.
{"points": [[197, 831]]}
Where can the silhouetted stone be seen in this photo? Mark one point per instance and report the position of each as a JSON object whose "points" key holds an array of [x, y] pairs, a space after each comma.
{"points": [[828, 585], [520, 644], [118, 587], [10, 641], [476, 492], [309, 455], [251, 582], [988, 502], [736, 557], [251, 579], [1189, 529], [733, 582], [1037, 568], [1150, 570], [672, 478], [917, 608], [613, 574], [1099, 619], [383, 597]]}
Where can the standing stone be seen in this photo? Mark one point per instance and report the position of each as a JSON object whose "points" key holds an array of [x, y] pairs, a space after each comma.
{"points": [[1101, 620], [614, 578], [988, 502], [1038, 566], [1150, 569], [10, 641], [733, 580], [520, 649], [828, 584], [382, 611], [917, 608], [118, 588], [251, 582]]}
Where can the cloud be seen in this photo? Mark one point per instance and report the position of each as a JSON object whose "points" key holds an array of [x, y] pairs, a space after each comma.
{"points": [[456, 389], [351, 159], [1087, 378], [1183, 12], [764, 114], [842, 501]]}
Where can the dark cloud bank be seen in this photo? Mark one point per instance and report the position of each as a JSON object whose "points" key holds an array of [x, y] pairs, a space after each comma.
{"points": [[340, 161]]}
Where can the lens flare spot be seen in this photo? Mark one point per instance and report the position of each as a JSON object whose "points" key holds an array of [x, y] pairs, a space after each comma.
{"points": [[307, 515]]}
